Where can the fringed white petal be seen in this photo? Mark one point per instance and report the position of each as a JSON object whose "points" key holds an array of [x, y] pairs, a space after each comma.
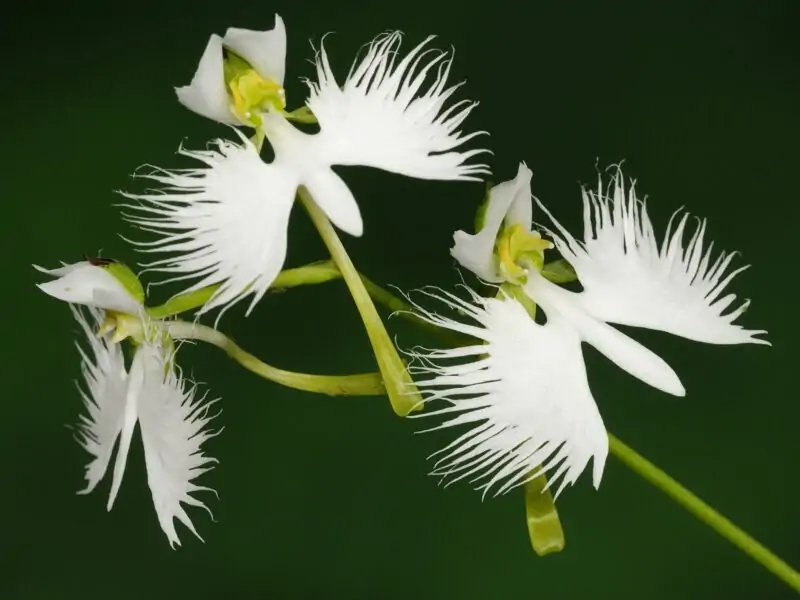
{"points": [[104, 396], [625, 352], [172, 418], [509, 202], [524, 394], [386, 116], [224, 223], [264, 50], [631, 279], [89, 285], [206, 94], [173, 421]]}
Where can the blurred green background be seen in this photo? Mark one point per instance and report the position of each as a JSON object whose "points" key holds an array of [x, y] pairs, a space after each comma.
{"points": [[329, 498]]}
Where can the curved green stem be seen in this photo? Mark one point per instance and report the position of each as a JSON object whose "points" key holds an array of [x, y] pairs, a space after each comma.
{"points": [[403, 309], [400, 388], [723, 526], [311, 274], [362, 384]]}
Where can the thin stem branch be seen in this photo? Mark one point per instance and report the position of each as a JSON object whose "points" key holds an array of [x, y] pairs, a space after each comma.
{"points": [[362, 384], [400, 388], [311, 274]]}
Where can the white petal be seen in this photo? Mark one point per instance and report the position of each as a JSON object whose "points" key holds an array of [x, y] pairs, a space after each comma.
{"points": [[625, 352], [299, 152], [631, 279], [264, 50], [173, 422], [384, 115], [104, 396], [90, 285], [524, 392], [335, 198], [206, 94], [509, 201], [130, 414], [223, 223]]}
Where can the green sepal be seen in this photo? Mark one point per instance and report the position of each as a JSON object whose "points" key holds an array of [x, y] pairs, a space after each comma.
{"points": [[124, 275], [480, 214], [517, 293], [559, 271], [301, 115]]}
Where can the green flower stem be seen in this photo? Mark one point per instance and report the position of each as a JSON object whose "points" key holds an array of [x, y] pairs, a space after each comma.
{"points": [[400, 388], [314, 273], [723, 526], [688, 500], [366, 384], [544, 526], [403, 309], [311, 274]]}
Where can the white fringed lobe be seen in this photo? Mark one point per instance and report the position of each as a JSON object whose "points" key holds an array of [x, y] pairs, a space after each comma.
{"points": [[172, 418], [525, 391], [631, 279]]}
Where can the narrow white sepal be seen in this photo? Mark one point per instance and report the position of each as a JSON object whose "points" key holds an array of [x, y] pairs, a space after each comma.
{"points": [[225, 222], [206, 94], [89, 285], [524, 392], [135, 380], [625, 352], [389, 114], [510, 203], [631, 279]]}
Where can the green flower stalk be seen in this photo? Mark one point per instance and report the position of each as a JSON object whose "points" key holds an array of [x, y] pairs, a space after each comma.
{"points": [[399, 386], [366, 384]]}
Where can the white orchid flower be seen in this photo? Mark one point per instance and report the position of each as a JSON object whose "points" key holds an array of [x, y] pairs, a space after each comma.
{"points": [[210, 95], [523, 384], [226, 221], [171, 417]]}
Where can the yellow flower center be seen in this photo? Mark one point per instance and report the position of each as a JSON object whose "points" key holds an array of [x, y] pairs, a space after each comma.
{"points": [[250, 93], [519, 250]]}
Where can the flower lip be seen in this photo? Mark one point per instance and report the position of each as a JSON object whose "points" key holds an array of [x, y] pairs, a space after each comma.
{"points": [[524, 390], [173, 422]]}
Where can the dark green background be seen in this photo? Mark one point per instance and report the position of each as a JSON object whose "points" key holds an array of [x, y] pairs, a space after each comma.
{"points": [[329, 498]]}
